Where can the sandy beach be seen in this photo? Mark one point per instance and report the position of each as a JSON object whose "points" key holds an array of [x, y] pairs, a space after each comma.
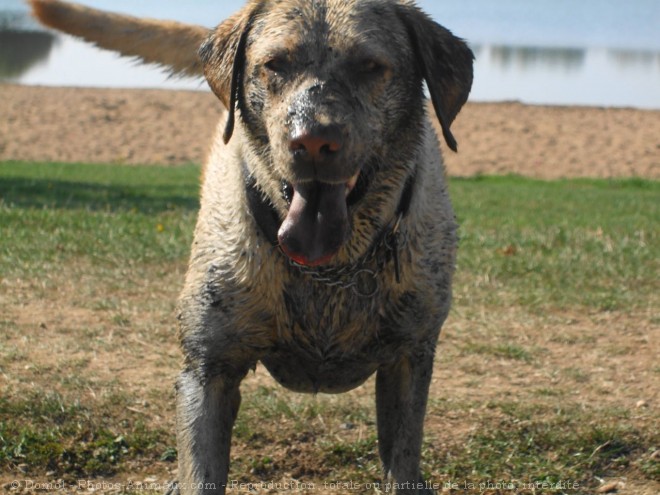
{"points": [[173, 127]]}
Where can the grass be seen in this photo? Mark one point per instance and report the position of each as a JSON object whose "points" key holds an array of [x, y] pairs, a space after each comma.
{"points": [[72, 439], [536, 247], [506, 351], [542, 245], [551, 447], [108, 216], [513, 442], [561, 244]]}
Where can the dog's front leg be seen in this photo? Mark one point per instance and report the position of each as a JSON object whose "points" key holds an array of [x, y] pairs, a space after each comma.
{"points": [[401, 394], [206, 410]]}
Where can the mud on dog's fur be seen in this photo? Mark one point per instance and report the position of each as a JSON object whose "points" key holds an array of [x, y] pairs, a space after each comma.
{"points": [[326, 241]]}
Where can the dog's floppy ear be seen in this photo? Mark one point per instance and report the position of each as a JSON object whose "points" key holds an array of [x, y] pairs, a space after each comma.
{"points": [[444, 61], [223, 57]]}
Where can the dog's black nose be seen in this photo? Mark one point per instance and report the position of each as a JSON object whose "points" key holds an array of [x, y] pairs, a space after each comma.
{"points": [[318, 143]]}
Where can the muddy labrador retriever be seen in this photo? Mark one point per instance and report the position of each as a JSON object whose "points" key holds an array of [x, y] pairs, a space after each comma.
{"points": [[325, 243]]}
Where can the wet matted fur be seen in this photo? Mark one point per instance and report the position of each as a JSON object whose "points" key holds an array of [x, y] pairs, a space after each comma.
{"points": [[325, 243]]}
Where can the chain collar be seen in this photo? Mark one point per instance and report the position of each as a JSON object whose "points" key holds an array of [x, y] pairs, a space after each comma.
{"points": [[362, 276]]}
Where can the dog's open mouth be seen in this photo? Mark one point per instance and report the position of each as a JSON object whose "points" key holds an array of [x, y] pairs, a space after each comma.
{"points": [[317, 223]]}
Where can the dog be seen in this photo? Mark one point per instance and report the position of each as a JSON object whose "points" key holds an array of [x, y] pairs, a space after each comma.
{"points": [[325, 244]]}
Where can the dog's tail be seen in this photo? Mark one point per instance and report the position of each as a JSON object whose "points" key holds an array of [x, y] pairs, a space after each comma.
{"points": [[166, 43]]}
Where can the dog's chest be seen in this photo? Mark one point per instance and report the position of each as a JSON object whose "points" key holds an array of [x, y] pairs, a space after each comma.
{"points": [[326, 322], [330, 339]]}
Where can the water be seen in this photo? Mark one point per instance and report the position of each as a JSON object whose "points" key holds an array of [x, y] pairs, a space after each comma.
{"points": [[567, 52]]}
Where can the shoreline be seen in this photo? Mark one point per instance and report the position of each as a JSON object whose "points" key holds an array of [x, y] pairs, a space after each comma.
{"points": [[171, 127], [203, 88]]}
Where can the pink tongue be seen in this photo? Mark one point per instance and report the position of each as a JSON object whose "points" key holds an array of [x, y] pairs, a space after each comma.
{"points": [[317, 223]]}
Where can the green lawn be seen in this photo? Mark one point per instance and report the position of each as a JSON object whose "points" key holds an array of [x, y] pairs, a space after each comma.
{"points": [[55, 213], [573, 243]]}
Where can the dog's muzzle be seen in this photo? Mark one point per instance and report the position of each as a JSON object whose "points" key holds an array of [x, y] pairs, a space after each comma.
{"points": [[317, 223]]}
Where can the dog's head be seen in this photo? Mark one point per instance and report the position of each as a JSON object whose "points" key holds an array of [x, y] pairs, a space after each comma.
{"points": [[330, 93]]}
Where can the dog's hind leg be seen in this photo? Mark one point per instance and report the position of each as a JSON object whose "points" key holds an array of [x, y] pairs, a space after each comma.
{"points": [[401, 395], [206, 411]]}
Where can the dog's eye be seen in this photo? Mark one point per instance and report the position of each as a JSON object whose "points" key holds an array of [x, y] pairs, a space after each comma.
{"points": [[370, 67], [276, 64]]}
